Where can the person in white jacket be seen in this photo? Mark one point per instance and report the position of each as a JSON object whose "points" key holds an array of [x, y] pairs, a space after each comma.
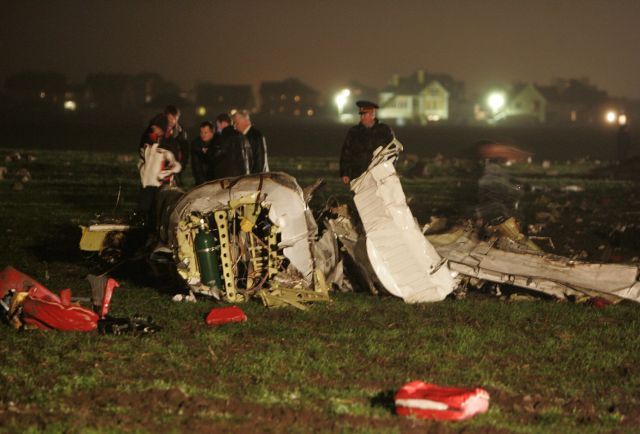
{"points": [[158, 164]]}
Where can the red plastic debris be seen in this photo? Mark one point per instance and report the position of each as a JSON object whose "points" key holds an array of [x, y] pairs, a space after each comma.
{"points": [[108, 292], [10, 278], [430, 401], [52, 315], [43, 309], [599, 302], [223, 315]]}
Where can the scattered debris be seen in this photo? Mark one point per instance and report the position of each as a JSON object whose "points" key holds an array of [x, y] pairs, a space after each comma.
{"points": [[27, 304], [189, 298], [430, 401], [223, 315], [572, 188], [15, 156]]}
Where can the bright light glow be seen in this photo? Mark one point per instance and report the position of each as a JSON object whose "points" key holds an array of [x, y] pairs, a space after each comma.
{"points": [[611, 116], [42, 94], [201, 110], [70, 105], [622, 119], [341, 99], [496, 101], [433, 118], [310, 112]]}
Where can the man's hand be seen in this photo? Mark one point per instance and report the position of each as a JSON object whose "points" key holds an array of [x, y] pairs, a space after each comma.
{"points": [[345, 180]]}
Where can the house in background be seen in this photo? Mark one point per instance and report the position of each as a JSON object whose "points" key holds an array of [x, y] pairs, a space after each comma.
{"points": [[574, 101], [289, 97], [213, 99], [523, 104], [36, 90], [422, 98], [127, 93]]}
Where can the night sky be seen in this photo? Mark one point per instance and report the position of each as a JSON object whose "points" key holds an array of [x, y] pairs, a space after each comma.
{"points": [[326, 43]]}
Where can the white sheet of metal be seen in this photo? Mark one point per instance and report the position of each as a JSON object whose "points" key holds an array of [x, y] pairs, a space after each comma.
{"points": [[405, 262], [554, 275]]}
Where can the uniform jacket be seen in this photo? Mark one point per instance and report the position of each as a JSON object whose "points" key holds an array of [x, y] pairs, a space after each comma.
{"points": [[359, 145]]}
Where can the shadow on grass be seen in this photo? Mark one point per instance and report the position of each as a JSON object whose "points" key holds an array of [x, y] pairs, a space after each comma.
{"points": [[59, 245], [385, 401]]}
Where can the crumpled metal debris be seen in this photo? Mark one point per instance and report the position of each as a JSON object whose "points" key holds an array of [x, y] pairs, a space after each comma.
{"points": [[403, 260]]}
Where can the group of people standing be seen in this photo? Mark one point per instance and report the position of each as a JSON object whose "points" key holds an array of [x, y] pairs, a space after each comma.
{"points": [[230, 147]]}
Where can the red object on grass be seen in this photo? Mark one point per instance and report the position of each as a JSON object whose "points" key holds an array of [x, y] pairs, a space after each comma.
{"points": [[430, 401], [46, 314], [106, 300], [599, 302], [44, 309], [223, 315], [10, 278]]}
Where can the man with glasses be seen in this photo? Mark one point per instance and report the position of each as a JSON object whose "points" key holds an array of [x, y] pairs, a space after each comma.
{"points": [[361, 141]]}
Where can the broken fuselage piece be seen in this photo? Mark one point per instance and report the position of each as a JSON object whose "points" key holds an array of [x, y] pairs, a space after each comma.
{"points": [[254, 235]]}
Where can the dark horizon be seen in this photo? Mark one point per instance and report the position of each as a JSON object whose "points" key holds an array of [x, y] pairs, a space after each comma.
{"points": [[330, 43]]}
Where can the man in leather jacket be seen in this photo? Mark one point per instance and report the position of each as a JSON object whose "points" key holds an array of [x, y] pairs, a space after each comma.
{"points": [[229, 154], [242, 123]]}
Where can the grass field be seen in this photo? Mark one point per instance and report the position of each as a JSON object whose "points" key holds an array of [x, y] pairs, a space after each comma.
{"points": [[549, 367]]}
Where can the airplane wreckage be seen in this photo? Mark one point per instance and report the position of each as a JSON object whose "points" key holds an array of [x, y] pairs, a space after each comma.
{"points": [[255, 235]]}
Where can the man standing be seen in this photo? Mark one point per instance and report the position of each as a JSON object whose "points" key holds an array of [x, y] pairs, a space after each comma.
{"points": [[228, 155], [361, 141], [199, 153], [242, 123], [160, 155]]}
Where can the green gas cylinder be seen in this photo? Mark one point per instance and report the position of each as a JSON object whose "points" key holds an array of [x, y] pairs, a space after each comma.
{"points": [[207, 249]]}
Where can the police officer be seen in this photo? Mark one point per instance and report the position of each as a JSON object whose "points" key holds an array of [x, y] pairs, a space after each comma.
{"points": [[361, 141]]}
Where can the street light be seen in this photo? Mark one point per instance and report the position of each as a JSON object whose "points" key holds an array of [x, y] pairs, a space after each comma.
{"points": [[622, 119], [341, 99], [496, 101], [611, 116]]}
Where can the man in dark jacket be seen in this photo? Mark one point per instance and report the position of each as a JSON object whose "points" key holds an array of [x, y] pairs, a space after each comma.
{"points": [[199, 153], [361, 141], [228, 155], [242, 123]]}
